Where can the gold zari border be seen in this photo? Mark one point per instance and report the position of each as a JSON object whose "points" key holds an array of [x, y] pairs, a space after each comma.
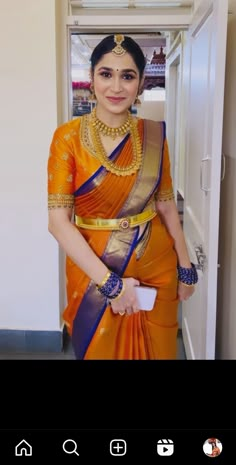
{"points": [[60, 201], [165, 195]]}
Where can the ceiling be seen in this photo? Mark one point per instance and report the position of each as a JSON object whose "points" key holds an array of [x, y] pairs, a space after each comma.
{"points": [[98, 4], [131, 3]]}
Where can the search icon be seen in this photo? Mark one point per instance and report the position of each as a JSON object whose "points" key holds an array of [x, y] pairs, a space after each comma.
{"points": [[71, 450]]}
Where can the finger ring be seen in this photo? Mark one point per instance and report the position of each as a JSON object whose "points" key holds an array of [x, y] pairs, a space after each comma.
{"points": [[121, 313]]}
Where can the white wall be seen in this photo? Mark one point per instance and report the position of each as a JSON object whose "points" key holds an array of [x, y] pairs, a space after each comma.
{"points": [[226, 323], [63, 111], [29, 294], [196, 4]]}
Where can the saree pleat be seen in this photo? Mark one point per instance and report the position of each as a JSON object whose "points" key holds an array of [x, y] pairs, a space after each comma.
{"points": [[124, 336]]}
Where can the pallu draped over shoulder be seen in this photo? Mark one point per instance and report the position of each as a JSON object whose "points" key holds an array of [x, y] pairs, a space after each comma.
{"points": [[76, 179]]}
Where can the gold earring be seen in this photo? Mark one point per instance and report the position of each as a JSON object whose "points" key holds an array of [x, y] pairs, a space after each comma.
{"points": [[93, 96], [137, 101]]}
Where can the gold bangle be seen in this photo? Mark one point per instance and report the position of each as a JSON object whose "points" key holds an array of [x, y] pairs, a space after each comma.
{"points": [[105, 279]]}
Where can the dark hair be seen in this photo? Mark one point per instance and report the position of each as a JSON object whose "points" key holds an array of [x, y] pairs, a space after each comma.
{"points": [[108, 43]]}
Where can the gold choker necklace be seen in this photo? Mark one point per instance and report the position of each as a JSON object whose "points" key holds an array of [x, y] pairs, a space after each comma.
{"points": [[101, 155], [108, 131]]}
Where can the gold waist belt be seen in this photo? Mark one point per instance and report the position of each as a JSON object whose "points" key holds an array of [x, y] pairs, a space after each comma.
{"points": [[116, 223]]}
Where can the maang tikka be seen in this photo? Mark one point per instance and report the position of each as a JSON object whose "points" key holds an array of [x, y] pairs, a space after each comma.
{"points": [[118, 49]]}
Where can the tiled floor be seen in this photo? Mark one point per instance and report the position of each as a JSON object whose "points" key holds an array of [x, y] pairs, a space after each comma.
{"points": [[67, 353]]}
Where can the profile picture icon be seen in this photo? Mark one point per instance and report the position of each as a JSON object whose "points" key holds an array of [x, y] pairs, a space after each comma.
{"points": [[212, 447]]}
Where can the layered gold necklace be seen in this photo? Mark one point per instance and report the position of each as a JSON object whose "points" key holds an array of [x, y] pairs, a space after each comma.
{"points": [[97, 127], [107, 130]]}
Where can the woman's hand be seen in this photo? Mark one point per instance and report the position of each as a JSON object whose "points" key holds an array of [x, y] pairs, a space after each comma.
{"points": [[184, 291], [127, 303]]}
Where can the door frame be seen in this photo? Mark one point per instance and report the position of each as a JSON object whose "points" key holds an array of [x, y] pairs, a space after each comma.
{"points": [[174, 59]]}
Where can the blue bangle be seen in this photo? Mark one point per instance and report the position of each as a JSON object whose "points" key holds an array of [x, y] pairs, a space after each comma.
{"points": [[187, 276], [118, 290], [112, 287]]}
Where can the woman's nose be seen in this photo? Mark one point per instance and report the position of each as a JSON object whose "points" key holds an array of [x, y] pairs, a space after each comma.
{"points": [[116, 84]]}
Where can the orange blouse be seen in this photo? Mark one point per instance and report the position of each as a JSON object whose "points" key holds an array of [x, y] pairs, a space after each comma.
{"points": [[69, 166]]}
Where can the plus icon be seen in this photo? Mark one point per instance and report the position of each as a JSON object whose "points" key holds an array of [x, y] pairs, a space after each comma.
{"points": [[118, 447]]}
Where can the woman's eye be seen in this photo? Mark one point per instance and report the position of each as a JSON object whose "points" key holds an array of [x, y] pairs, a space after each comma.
{"points": [[128, 76], [106, 74]]}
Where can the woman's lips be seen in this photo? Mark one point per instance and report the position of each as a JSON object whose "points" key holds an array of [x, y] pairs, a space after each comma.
{"points": [[116, 99]]}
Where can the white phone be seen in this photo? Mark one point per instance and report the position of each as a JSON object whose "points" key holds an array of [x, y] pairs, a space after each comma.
{"points": [[146, 297]]}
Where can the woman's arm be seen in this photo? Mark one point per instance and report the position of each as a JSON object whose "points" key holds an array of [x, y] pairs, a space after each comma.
{"points": [[169, 214], [170, 217], [76, 247]]}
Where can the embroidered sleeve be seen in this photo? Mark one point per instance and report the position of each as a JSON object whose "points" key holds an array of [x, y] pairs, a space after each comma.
{"points": [[165, 188], [61, 170]]}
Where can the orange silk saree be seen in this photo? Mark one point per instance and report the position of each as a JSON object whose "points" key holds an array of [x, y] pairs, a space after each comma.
{"points": [[76, 178]]}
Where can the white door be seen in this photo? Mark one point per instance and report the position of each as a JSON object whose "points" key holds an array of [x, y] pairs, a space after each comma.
{"points": [[207, 49]]}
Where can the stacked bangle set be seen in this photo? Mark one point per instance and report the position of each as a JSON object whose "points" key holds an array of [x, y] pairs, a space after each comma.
{"points": [[112, 286], [187, 276]]}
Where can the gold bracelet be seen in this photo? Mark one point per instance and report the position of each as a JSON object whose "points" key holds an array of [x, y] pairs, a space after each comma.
{"points": [[121, 292], [105, 279]]}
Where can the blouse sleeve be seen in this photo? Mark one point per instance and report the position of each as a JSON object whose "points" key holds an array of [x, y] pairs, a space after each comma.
{"points": [[165, 188], [61, 172]]}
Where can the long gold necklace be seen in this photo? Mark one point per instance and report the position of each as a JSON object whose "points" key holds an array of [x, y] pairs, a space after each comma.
{"points": [[102, 156], [107, 130]]}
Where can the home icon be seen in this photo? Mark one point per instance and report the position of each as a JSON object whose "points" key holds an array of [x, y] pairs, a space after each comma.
{"points": [[23, 448]]}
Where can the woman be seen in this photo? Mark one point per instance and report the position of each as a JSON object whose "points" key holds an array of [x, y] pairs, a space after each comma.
{"points": [[215, 449], [119, 225]]}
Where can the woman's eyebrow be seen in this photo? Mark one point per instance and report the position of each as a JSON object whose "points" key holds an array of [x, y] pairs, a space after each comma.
{"points": [[129, 70], [126, 70]]}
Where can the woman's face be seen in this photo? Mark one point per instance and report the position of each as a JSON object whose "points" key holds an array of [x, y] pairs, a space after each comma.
{"points": [[116, 82]]}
